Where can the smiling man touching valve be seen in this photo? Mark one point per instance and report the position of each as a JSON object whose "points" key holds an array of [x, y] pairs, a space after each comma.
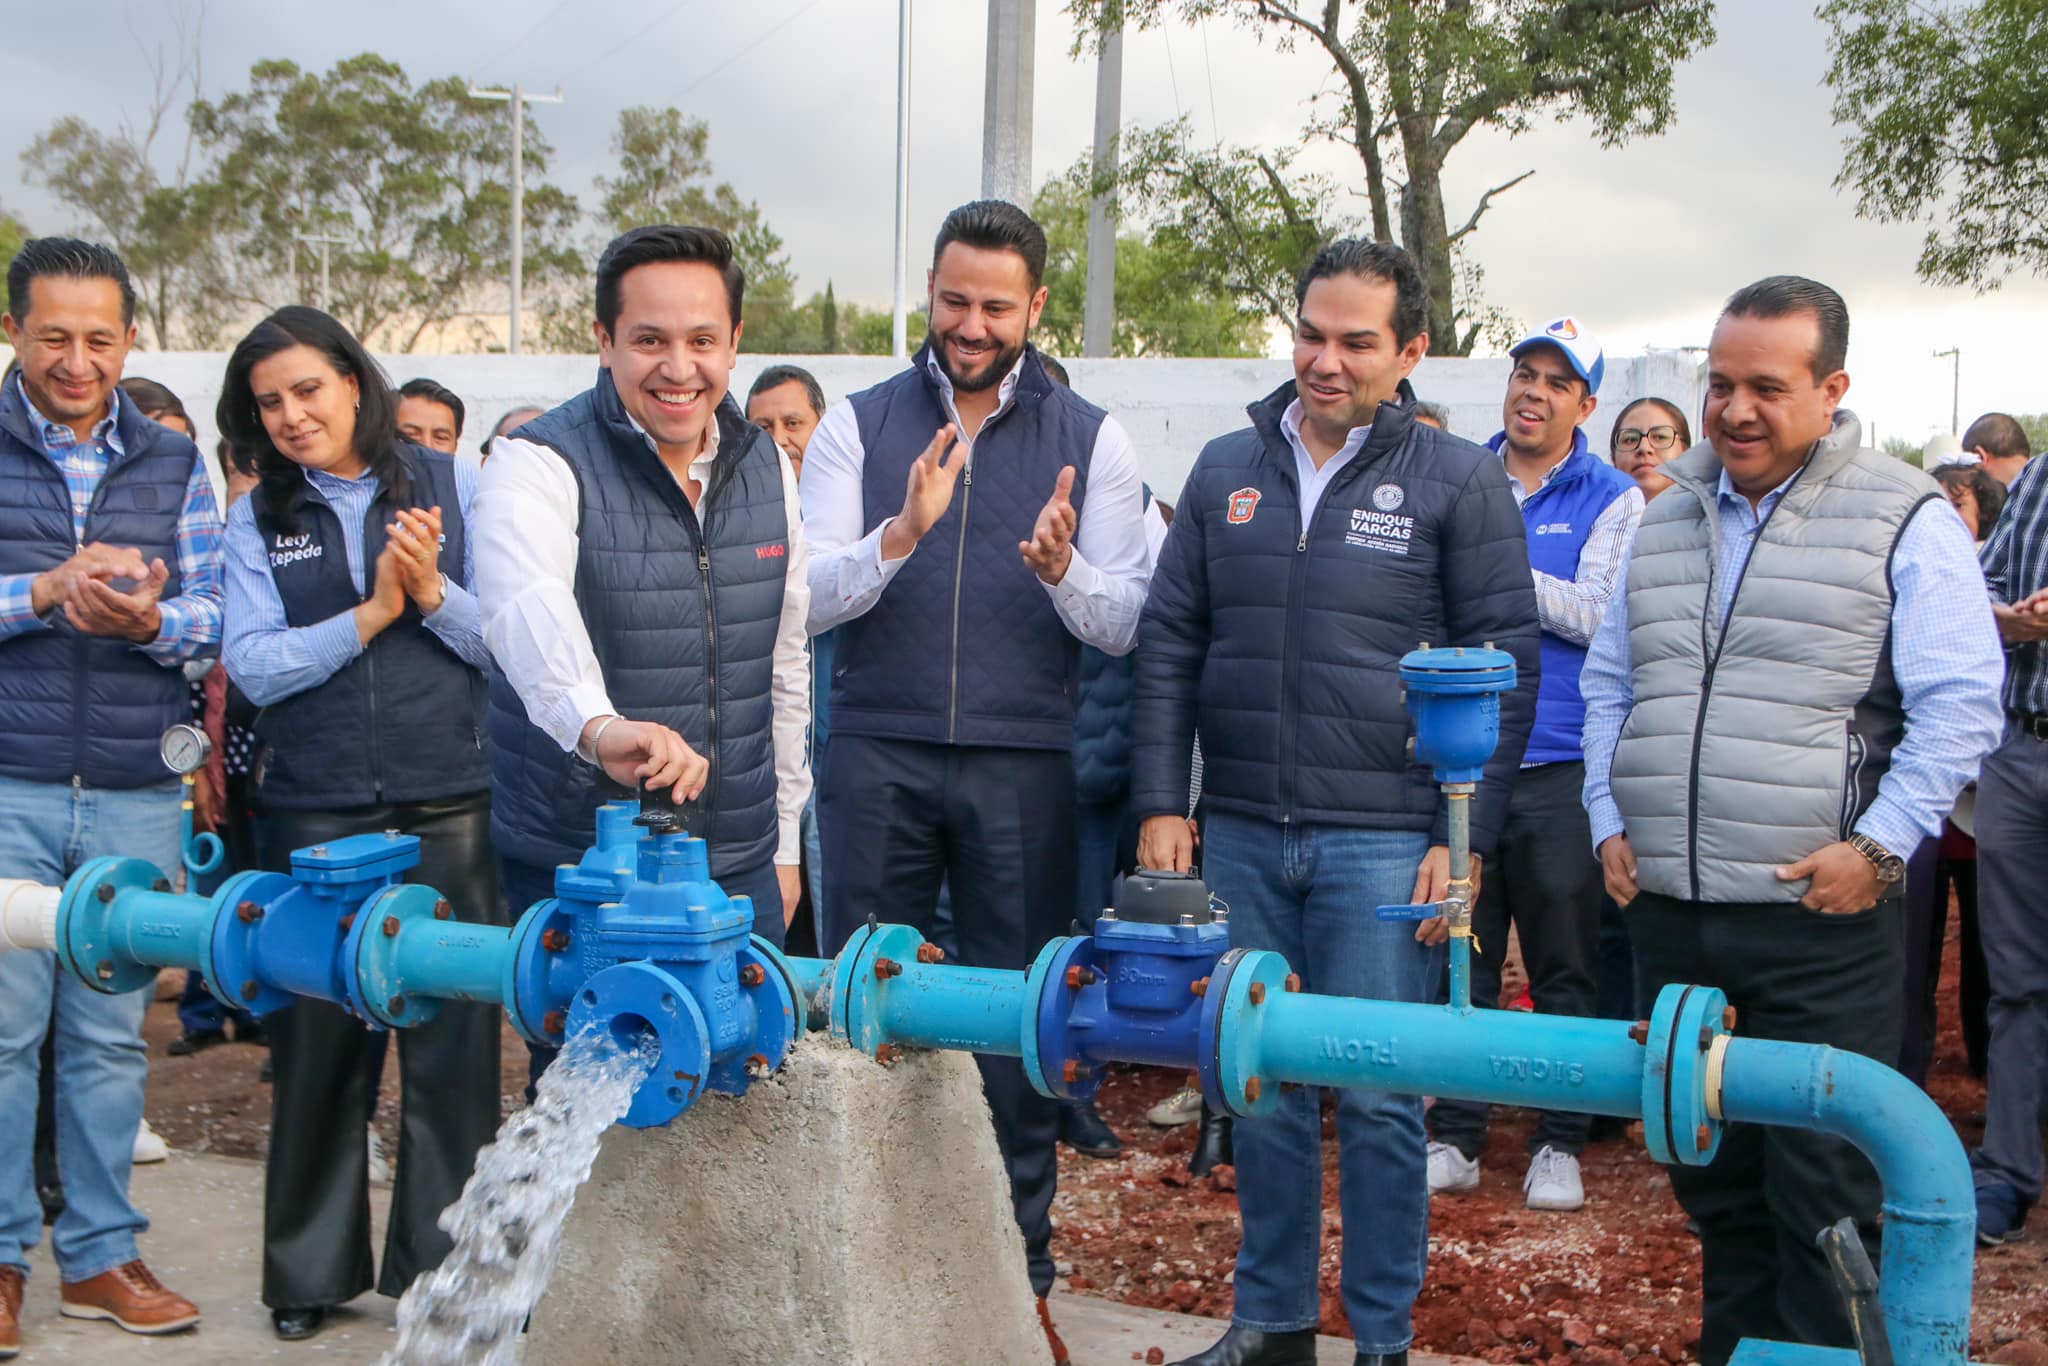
{"points": [[642, 574]]}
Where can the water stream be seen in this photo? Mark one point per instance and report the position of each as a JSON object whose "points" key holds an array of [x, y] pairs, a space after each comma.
{"points": [[507, 1226]]}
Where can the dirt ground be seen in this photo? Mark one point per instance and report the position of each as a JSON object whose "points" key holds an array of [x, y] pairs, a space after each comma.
{"points": [[1617, 1282]]}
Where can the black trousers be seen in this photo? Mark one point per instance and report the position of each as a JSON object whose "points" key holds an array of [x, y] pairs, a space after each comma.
{"points": [[1545, 880], [997, 825], [316, 1192], [1929, 879], [1803, 977]]}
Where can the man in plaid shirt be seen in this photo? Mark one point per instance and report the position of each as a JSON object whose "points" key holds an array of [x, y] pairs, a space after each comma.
{"points": [[2012, 850], [110, 580]]}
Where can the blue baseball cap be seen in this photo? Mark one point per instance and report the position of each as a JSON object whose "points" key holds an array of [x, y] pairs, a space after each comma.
{"points": [[1570, 336]]}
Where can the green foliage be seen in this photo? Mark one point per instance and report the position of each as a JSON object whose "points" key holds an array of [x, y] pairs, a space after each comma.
{"points": [[412, 177], [2036, 427], [1171, 297], [1898, 448], [1411, 80], [1947, 120], [13, 232], [664, 176]]}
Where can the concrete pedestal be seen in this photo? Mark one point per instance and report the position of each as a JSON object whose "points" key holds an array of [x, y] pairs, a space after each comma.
{"points": [[842, 1212]]}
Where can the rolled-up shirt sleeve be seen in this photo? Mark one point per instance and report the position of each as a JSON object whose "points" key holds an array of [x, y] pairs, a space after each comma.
{"points": [[1950, 670], [1102, 594], [526, 548], [847, 571]]}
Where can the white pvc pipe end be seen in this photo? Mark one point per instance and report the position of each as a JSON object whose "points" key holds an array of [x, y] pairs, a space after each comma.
{"points": [[28, 914]]}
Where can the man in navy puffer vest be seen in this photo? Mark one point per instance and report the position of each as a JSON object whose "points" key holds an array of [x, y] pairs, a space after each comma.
{"points": [[110, 581], [1581, 515], [1308, 553], [642, 577], [965, 584]]}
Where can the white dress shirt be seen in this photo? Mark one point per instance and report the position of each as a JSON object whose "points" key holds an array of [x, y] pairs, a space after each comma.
{"points": [[1099, 598], [526, 550], [1316, 482]]}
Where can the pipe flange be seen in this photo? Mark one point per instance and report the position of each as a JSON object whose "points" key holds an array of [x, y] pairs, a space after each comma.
{"points": [[1678, 1126], [526, 983], [376, 988], [630, 1001], [233, 947], [1048, 1042], [778, 1019], [859, 991], [85, 941], [1230, 1070]]}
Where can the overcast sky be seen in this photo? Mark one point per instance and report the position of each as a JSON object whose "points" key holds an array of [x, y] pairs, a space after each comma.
{"points": [[1641, 243]]}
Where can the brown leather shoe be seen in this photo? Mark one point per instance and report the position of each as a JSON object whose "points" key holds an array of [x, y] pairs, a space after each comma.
{"points": [[1052, 1335], [131, 1296], [10, 1311]]}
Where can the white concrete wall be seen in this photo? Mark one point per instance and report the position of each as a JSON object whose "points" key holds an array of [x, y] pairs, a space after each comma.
{"points": [[1170, 407]]}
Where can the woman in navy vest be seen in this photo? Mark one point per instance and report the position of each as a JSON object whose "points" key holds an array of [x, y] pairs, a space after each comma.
{"points": [[351, 624]]}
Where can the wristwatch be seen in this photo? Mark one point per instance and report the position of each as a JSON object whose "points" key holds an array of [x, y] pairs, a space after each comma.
{"points": [[1890, 867]]}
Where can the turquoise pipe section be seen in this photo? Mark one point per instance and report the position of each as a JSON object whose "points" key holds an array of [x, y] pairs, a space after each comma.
{"points": [[161, 929], [454, 960], [1502, 1056], [980, 1010], [1930, 1211], [813, 977]]}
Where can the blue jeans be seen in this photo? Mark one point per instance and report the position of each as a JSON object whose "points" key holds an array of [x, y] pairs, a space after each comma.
{"points": [[1308, 892], [47, 830]]}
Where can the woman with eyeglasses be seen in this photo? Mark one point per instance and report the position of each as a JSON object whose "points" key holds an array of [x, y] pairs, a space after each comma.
{"points": [[1649, 432], [351, 623]]}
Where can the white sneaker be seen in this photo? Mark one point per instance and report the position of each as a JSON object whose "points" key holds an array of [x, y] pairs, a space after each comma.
{"points": [[1553, 1181], [380, 1166], [1450, 1170], [150, 1145], [1182, 1107]]}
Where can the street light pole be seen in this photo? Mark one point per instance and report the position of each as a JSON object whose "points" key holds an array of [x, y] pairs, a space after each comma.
{"points": [[323, 242], [1955, 391], [899, 325], [518, 99]]}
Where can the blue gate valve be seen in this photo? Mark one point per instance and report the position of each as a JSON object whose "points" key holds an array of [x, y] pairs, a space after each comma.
{"points": [[1453, 697]]}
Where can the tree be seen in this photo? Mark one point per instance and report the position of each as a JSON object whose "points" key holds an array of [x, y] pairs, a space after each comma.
{"points": [[664, 176], [1415, 78], [1948, 124], [1170, 299], [13, 232], [411, 177], [828, 322], [163, 221], [2036, 427]]}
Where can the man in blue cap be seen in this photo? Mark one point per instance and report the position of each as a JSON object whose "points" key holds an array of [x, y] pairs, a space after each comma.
{"points": [[1581, 515]]}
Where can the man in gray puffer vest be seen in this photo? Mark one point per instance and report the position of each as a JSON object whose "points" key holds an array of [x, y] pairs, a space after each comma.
{"points": [[1801, 676]]}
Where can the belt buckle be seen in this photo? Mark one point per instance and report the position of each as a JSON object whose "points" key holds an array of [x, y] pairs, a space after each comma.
{"points": [[2035, 724]]}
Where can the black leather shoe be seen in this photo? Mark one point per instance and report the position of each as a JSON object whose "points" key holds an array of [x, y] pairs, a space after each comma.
{"points": [[195, 1041], [1082, 1129], [1212, 1143], [252, 1033], [1399, 1358], [1243, 1346], [296, 1325]]}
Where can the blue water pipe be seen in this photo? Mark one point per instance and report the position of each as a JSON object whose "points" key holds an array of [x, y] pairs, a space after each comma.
{"points": [[638, 940]]}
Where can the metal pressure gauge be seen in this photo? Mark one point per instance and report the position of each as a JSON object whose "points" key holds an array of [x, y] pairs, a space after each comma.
{"points": [[185, 749]]}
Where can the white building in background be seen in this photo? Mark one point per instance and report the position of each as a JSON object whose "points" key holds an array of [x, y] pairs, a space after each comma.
{"points": [[1170, 407]]}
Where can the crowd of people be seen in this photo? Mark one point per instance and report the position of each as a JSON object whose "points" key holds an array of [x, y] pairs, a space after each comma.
{"points": [[935, 653]]}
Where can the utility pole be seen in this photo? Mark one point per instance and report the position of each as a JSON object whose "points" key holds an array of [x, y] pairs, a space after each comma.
{"points": [[899, 327], [323, 242], [1006, 102], [1955, 390], [1098, 312], [518, 99]]}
